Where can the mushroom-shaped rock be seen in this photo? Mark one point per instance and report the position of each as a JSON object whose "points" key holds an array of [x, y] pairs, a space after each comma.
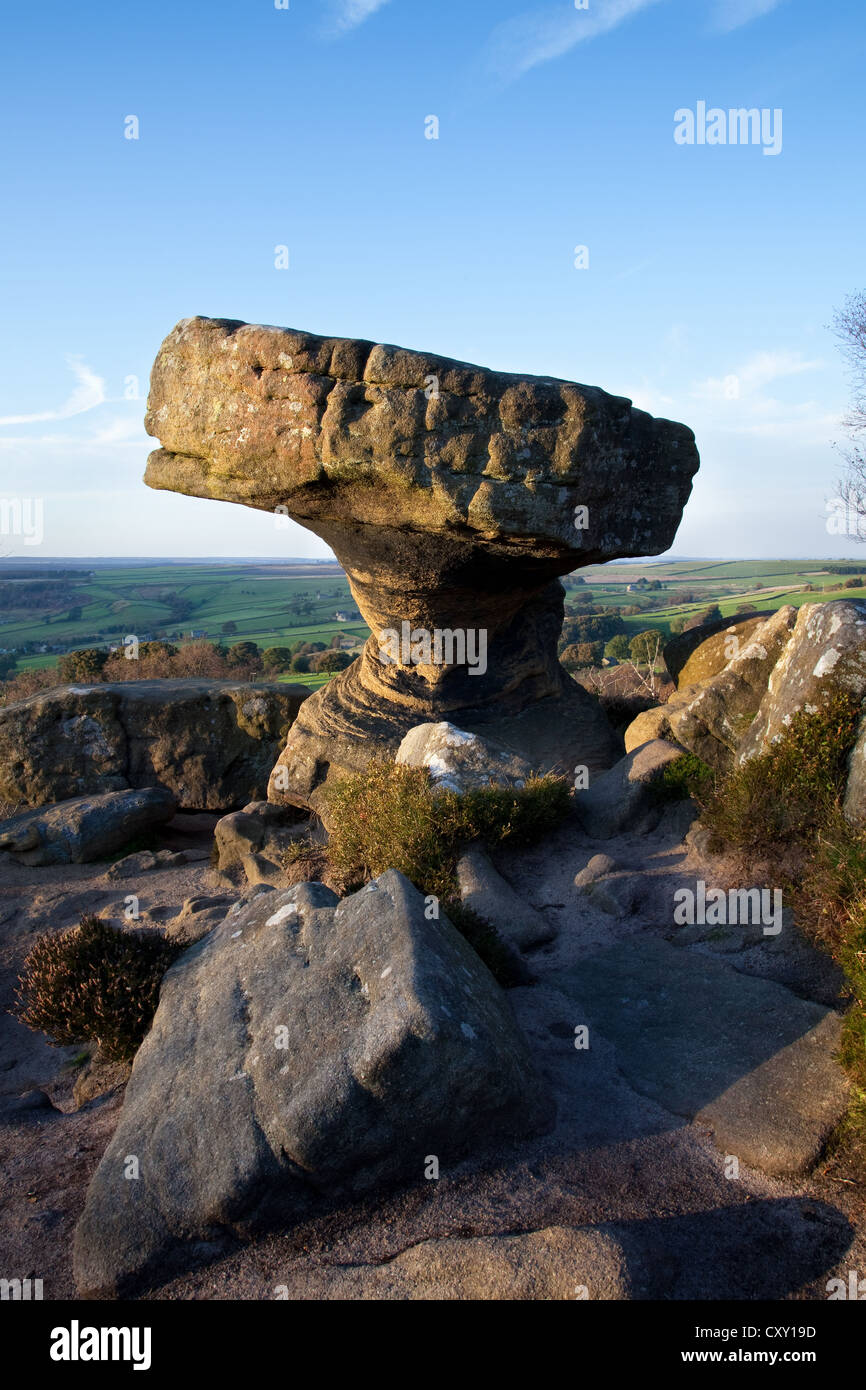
{"points": [[453, 496]]}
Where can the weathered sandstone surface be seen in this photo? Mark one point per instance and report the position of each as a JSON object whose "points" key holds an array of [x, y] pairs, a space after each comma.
{"points": [[711, 717], [85, 828], [211, 743], [453, 496]]}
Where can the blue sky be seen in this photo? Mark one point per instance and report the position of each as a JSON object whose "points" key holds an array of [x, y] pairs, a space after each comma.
{"points": [[713, 274]]}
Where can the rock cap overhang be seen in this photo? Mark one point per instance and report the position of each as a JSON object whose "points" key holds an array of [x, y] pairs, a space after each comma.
{"points": [[335, 429]]}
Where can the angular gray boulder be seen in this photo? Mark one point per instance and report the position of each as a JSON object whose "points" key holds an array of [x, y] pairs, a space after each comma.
{"points": [[306, 1048], [85, 828]]}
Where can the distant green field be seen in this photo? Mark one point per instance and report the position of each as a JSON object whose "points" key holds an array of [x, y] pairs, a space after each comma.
{"points": [[767, 584], [275, 604], [268, 604]]}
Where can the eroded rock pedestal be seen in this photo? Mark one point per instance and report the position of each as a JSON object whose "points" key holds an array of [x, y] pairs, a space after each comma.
{"points": [[454, 497]]}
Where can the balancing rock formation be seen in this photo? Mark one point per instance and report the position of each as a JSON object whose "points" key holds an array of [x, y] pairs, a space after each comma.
{"points": [[453, 496]]}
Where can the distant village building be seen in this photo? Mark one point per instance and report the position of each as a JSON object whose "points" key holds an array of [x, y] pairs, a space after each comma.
{"points": [[643, 583]]}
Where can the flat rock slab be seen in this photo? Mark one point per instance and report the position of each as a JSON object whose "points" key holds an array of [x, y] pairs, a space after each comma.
{"points": [[556, 1263], [744, 1055], [85, 828]]}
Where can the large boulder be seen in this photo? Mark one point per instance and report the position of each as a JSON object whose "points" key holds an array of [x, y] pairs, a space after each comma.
{"points": [[212, 743], [306, 1047], [453, 497], [826, 654], [695, 656], [711, 719], [86, 828]]}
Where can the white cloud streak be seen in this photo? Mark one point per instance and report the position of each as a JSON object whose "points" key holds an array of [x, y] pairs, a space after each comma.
{"points": [[537, 36], [89, 393], [733, 14], [351, 13]]}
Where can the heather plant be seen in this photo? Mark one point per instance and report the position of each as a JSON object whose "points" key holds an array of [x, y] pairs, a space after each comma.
{"points": [[391, 816], [94, 983], [784, 796]]}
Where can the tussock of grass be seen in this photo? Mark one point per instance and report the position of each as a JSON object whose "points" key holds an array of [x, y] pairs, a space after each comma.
{"points": [[389, 817]]}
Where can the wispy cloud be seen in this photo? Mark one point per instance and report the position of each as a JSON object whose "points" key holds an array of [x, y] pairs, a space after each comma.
{"points": [[743, 403], [348, 14], [121, 432], [732, 14], [536, 36], [753, 375], [89, 393]]}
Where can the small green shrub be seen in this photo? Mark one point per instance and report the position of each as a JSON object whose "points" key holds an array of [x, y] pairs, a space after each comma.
{"points": [[84, 665], [686, 776], [94, 984], [783, 796], [388, 817]]}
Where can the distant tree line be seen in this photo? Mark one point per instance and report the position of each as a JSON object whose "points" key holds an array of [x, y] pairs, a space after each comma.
{"points": [[161, 660]]}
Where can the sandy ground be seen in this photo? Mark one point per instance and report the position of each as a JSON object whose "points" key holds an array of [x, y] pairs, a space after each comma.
{"points": [[616, 1160]]}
